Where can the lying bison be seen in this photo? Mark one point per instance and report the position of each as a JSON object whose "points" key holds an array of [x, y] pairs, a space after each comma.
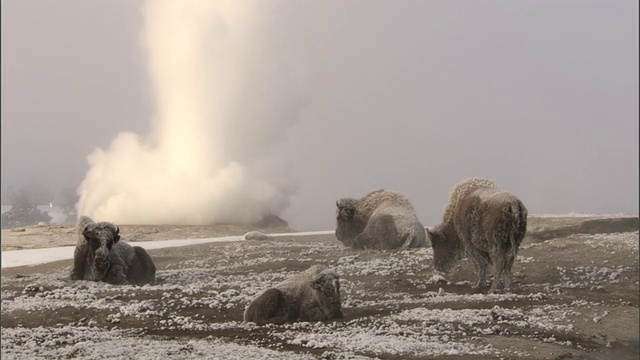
{"points": [[100, 256], [313, 295], [381, 220], [484, 223]]}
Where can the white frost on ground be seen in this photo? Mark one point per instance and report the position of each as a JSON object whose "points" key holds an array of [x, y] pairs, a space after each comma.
{"points": [[195, 294], [611, 242]]}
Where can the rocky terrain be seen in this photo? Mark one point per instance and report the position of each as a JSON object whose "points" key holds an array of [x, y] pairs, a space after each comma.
{"points": [[576, 297]]}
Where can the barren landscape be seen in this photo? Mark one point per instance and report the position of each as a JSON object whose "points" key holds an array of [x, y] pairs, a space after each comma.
{"points": [[576, 297]]}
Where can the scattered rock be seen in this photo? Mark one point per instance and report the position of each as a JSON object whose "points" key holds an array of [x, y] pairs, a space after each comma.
{"points": [[257, 235]]}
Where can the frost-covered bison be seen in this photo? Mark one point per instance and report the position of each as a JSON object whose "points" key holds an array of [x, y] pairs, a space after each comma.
{"points": [[313, 295], [484, 223], [100, 256], [382, 219]]}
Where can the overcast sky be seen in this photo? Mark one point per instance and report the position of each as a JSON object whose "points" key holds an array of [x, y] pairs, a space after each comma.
{"points": [[412, 96]]}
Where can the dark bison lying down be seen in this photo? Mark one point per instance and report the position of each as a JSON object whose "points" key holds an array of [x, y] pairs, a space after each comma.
{"points": [[101, 256]]}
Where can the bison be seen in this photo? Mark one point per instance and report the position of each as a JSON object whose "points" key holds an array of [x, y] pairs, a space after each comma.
{"points": [[313, 295], [382, 219], [101, 256], [484, 223]]}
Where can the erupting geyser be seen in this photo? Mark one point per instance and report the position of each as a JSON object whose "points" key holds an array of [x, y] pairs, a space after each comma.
{"points": [[224, 98]]}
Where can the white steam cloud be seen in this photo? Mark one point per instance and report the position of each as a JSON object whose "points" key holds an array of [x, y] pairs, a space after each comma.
{"points": [[223, 96]]}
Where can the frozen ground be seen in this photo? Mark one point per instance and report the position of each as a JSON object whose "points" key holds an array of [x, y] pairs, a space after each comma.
{"points": [[576, 297]]}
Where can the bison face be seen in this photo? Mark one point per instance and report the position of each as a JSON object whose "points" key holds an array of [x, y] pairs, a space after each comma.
{"points": [[345, 214], [444, 255], [346, 209], [101, 237], [348, 225], [327, 286]]}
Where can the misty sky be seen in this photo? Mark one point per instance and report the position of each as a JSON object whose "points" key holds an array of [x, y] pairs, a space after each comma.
{"points": [[412, 96]]}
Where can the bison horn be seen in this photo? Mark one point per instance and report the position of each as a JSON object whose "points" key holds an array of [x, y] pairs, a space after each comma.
{"points": [[117, 229], [342, 203]]}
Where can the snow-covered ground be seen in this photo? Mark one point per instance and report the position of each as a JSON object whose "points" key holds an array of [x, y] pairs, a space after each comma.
{"points": [[576, 297]]}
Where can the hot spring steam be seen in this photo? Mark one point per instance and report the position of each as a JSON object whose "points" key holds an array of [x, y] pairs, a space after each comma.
{"points": [[225, 96]]}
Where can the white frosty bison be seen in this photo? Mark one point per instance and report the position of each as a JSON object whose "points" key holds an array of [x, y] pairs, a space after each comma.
{"points": [[483, 222], [313, 295], [382, 219], [100, 256]]}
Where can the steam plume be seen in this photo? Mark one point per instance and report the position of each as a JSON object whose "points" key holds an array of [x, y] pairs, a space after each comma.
{"points": [[223, 103]]}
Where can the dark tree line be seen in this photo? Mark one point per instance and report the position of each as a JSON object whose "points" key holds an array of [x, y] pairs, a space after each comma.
{"points": [[24, 201]]}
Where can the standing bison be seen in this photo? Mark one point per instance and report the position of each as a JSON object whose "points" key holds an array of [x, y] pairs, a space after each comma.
{"points": [[381, 220], [100, 256], [484, 223]]}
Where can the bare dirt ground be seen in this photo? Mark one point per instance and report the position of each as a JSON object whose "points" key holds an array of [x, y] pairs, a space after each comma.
{"points": [[46, 236], [576, 297]]}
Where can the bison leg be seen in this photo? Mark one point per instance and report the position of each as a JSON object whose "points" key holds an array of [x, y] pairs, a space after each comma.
{"points": [[497, 278], [481, 261], [503, 258], [507, 275], [361, 241], [116, 275], [379, 234], [508, 285]]}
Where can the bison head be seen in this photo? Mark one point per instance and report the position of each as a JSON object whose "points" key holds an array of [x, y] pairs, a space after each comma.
{"points": [[348, 224], [101, 237], [445, 254], [327, 286]]}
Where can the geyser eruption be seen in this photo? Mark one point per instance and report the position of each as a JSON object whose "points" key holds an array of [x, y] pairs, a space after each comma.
{"points": [[225, 96]]}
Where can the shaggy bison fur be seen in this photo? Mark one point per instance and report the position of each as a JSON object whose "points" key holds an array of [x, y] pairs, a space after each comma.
{"points": [[484, 223], [313, 295], [381, 220]]}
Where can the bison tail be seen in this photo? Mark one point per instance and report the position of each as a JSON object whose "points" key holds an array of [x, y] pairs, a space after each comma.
{"points": [[519, 216]]}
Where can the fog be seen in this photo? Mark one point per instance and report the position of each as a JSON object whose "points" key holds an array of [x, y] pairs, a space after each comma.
{"points": [[202, 113]]}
